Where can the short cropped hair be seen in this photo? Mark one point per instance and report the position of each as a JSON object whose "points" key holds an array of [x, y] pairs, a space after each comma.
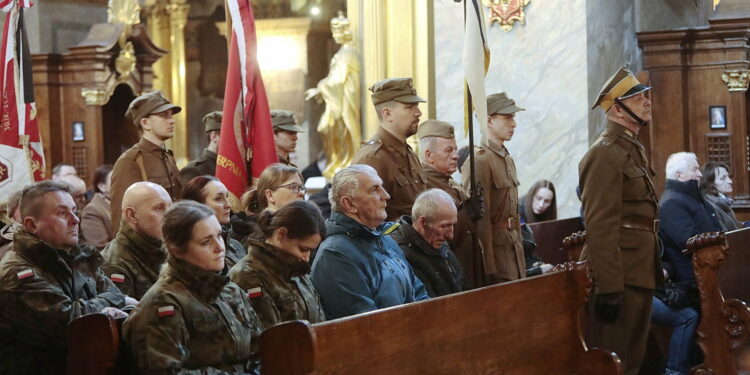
{"points": [[379, 108], [429, 202], [33, 195], [426, 143], [678, 162], [346, 182], [56, 170]]}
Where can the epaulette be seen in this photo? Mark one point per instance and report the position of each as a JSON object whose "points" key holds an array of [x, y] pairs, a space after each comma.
{"points": [[479, 149], [373, 142], [606, 139]]}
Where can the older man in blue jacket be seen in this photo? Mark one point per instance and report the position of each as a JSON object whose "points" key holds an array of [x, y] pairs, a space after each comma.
{"points": [[358, 268]]}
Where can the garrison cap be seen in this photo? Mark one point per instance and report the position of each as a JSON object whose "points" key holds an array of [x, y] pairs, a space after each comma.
{"points": [[398, 89], [621, 85], [435, 128], [212, 121], [148, 104], [285, 120], [502, 104]]}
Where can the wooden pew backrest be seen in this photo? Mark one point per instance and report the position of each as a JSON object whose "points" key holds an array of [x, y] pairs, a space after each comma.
{"points": [[734, 273], [573, 245], [93, 345], [550, 234], [524, 327], [725, 324]]}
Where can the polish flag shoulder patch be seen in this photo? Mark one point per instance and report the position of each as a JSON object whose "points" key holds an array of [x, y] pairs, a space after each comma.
{"points": [[255, 293], [117, 278], [165, 311], [25, 274]]}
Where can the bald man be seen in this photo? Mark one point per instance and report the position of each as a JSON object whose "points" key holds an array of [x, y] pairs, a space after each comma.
{"points": [[133, 259], [77, 189]]}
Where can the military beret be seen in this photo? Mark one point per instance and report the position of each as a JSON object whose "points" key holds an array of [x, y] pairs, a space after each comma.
{"points": [[148, 104], [212, 121], [285, 120], [435, 128], [621, 85], [502, 104], [398, 89]]}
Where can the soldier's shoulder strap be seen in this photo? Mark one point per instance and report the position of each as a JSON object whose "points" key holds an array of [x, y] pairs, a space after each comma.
{"points": [[139, 161]]}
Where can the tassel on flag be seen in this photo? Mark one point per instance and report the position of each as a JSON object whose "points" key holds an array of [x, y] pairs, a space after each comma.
{"points": [[246, 139], [21, 154]]}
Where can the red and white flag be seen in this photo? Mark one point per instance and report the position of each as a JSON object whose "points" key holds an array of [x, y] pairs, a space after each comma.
{"points": [[246, 144], [21, 154]]}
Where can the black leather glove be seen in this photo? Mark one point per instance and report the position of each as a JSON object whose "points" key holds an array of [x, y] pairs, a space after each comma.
{"points": [[475, 204], [607, 306]]}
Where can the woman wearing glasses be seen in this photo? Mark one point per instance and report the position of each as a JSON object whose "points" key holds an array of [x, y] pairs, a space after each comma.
{"points": [[278, 185], [211, 192], [276, 271]]}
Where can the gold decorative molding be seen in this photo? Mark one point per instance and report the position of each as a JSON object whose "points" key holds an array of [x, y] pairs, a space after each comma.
{"points": [[507, 12], [125, 62], [95, 96], [124, 11], [736, 80]]}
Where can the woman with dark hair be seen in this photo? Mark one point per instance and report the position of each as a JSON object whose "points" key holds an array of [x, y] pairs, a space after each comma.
{"points": [[275, 272], [715, 184], [278, 185], [539, 203], [193, 320], [211, 192], [96, 220]]}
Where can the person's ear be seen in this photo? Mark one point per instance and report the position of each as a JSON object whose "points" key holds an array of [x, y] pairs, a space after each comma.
{"points": [[29, 222], [129, 215], [144, 123], [422, 220], [427, 155], [281, 234], [348, 204], [269, 196], [386, 111]]}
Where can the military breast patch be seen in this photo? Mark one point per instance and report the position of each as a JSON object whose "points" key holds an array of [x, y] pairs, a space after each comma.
{"points": [[165, 311], [255, 293], [25, 274], [118, 278]]}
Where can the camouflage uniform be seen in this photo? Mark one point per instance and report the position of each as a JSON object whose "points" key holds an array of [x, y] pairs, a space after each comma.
{"points": [[279, 285], [132, 261], [235, 251], [42, 290], [192, 321]]}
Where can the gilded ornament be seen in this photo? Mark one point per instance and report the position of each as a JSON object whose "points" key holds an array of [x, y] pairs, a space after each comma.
{"points": [[124, 11], [736, 80], [125, 61], [507, 12], [94, 96]]}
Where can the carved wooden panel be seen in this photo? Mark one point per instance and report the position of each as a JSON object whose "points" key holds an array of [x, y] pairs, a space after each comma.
{"points": [[719, 148], [80, 161]]}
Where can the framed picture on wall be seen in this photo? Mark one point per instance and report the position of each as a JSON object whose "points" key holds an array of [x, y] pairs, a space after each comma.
{"points": [[78, 131], [717, 115]]}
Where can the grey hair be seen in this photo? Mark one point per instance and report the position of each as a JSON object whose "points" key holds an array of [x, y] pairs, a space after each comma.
{"points": [[678, 162], [346, 182], [426, 143], [429, 202]]}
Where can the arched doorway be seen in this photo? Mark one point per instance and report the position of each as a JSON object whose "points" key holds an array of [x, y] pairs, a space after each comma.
{"points": [[118, 132]]}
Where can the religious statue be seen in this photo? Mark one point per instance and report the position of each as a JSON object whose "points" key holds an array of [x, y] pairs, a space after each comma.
{"points": [[339, 125]]}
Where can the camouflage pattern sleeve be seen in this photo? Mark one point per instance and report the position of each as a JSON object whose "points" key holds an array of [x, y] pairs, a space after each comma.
{"points": [[256, 290], [121, 278]]}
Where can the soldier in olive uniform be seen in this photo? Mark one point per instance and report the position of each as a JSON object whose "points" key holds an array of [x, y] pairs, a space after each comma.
{"points": [[206, 164], [276, 272], [193, 320], [285, 131], [149, 159], [620, 210], [439, 154], [397, 105], [47, 281], [499, 228], [133, 259]]}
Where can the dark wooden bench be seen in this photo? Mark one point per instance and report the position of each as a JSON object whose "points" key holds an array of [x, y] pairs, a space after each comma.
{"points": [[550, 234], [95, 346], [528, 327], [722, 270]]}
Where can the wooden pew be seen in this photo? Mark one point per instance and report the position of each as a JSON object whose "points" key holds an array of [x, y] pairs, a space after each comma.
{"points": [[573, 245], [550, 234], [526, 327], [724, 329], [95, 346]]}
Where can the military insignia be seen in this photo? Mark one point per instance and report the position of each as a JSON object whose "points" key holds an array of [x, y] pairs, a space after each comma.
{"points": [[165, 311], [118, 278], [255, 293], [25, 274]]}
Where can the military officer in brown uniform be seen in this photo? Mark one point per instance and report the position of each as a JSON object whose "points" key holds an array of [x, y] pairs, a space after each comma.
{"points": [[439, 155], [397, 105], [285, 131], [149, 159], [620, 210], [499, 228], [206, 164]]}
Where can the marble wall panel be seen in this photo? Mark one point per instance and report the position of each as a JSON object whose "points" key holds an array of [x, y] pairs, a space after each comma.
{"points": [[543, 66]]}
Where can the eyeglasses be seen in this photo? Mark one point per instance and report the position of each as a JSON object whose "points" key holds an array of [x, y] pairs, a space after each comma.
{"points": [[295, 187]]}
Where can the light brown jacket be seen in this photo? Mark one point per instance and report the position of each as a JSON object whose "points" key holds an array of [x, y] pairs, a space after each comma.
{"points": [[96, 224]]}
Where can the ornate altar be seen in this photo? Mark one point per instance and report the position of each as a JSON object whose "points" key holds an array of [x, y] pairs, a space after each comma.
{"points": [[82, 95], [700, 101]]}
